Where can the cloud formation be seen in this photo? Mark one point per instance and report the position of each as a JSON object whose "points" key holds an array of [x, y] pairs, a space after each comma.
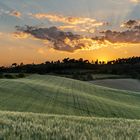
{"points": [[14, 13], [131, 24], [64, 19], [135, 1], [20, 35], [79, 24], [60, 40], [130, 35]]}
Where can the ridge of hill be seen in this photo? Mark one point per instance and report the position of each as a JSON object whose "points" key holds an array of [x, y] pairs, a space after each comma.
{"points": [[58, 95]]}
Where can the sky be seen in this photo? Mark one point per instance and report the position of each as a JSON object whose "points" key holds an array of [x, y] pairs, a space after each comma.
{"points": [[37, 31]]}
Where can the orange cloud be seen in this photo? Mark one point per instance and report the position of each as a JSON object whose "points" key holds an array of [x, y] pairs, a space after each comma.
{"points": [[20, 35], [77, 24], [63, 19], [73, 23], [135, 1], [67, 41], [15, 14], [66, 27], [76, 28]]}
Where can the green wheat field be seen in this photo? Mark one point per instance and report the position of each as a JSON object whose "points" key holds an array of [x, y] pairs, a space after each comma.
{"points": [[51, 107]]}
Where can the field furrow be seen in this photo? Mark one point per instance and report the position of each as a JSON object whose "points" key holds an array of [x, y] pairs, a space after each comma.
{"points": [[58, 95]]}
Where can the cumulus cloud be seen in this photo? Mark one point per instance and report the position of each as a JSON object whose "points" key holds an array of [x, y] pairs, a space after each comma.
{"points": [[20, 35], [131, 24], [60, 40], [130, 35], [80, 24]]}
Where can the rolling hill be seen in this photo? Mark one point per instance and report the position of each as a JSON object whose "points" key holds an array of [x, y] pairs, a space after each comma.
{"points": [[123, 84], [57, 95]]}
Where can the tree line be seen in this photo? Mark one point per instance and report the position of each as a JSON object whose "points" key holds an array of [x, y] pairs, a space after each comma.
{"points": [[122, 66]]}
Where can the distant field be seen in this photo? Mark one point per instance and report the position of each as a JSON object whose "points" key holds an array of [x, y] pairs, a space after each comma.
{"points": [[124, 84], [58, 95], [107, 76], [25, 126]]}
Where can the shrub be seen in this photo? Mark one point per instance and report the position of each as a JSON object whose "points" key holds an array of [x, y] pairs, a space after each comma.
{"points": [[21, 75], [89, 77], [9, 76], [1, 75]]}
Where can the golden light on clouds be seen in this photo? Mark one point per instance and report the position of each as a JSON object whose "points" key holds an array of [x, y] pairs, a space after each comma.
{"points": [[135, 1], [78, 24], [83, 31], [63, 19], [20, 35], [60, 40], [15, 13]]}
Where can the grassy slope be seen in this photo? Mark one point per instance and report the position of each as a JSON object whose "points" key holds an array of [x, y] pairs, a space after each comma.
{"points": [[57, 95], [107, 76], [39, 126], [124, 84]]}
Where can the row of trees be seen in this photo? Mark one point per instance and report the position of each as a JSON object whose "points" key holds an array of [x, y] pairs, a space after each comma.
{"points": [[130, 60], [125, 66]]}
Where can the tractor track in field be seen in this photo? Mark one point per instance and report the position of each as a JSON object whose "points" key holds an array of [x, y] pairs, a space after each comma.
{"points": [[11, 96], [85, 104], [55, 95], [54, 99], [19, 85], [76, 101]]}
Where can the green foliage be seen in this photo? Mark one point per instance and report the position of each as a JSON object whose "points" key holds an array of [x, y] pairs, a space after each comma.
{"points": [[12, 76], [25, 126], [9, 76], [58, 95], [82, 77], [21, 75], [89, 77], [125, 66], [1, 75]]}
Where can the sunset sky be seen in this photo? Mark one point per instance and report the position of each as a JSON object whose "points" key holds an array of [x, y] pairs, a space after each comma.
{"points": [[41, 30]]}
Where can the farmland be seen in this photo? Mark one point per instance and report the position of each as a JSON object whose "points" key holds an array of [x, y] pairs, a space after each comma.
{"points": [[57, 127], [54, 107], [122, 83], [57, 95]]}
